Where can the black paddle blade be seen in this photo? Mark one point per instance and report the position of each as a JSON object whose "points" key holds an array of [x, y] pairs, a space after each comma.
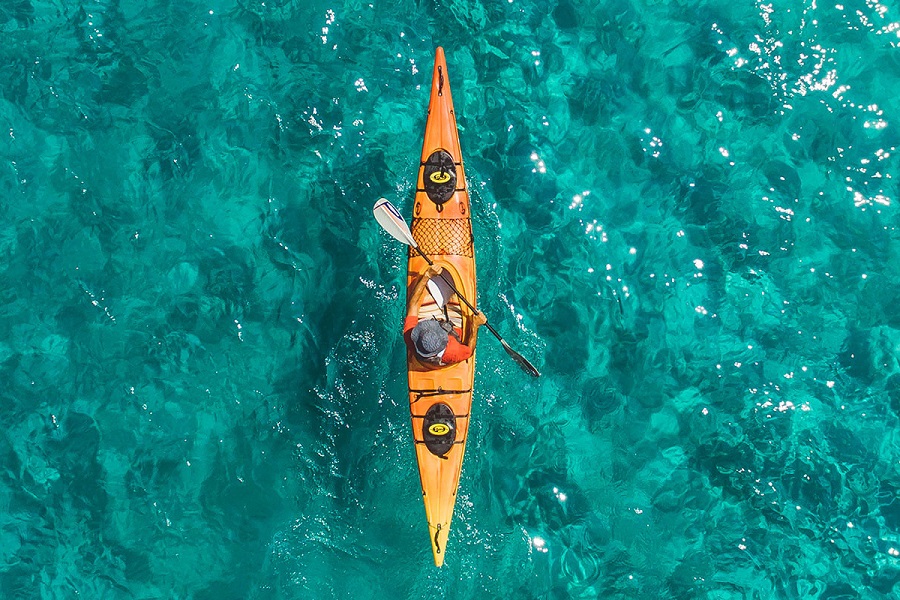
{"points": [[521, 360]]}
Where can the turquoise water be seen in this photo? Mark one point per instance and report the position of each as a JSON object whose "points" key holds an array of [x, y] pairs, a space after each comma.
{"points": [[685, 214]]}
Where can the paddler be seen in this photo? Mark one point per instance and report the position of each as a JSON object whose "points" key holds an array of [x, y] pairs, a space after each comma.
{"points": [[436, 342]]}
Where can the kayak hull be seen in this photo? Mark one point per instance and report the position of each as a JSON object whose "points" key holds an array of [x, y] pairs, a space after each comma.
{"points": [[441, 398]]}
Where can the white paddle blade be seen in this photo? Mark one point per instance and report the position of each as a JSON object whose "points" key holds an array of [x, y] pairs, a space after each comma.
{"points": [[439, 290], [392, 222]]}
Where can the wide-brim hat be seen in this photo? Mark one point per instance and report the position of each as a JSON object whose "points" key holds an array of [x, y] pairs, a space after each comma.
{"points": [[429, 338]]}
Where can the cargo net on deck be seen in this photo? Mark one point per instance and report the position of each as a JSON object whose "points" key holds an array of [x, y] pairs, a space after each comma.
{"points": [[443, 236]]}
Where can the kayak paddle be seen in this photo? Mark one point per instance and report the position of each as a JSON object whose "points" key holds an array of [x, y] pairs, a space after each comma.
{"points": [[392, 222]]}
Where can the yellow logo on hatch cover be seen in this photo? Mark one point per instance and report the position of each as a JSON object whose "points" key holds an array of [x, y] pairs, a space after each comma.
{"points": [[439, 429], [440, 177]]}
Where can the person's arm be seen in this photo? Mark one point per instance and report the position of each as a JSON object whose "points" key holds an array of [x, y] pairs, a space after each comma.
{"points": [[415, 299], [458, 352], [476, 321]]}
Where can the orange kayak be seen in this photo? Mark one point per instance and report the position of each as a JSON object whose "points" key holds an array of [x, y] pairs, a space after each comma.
{"points": [[440, 398]]}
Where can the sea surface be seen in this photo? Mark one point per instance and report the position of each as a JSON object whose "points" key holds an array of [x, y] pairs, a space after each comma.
{"points": [[685, 215]]}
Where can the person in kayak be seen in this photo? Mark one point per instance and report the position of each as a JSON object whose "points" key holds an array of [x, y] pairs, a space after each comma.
{"points": [[435, 341]]}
